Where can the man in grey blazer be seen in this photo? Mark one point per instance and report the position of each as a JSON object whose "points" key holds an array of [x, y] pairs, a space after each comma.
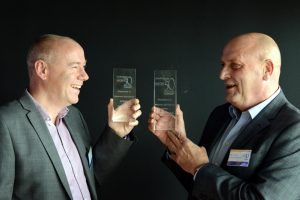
{"points": [[46, 151], [250, 146]]}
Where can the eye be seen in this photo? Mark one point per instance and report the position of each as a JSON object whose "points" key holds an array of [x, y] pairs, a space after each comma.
{"points": [[236, 65], [75, 66]]}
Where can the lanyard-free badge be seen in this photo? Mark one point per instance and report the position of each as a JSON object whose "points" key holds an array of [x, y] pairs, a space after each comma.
{"points": [[239, 157]]}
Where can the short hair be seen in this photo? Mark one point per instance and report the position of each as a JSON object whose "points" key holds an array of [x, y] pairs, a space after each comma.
{"points": [[42, 49]]}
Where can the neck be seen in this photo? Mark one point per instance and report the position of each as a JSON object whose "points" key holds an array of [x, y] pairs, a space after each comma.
{"points": [[47, 105]]}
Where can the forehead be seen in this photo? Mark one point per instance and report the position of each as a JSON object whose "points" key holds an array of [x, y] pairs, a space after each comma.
{"points": [[238, 49], [70, 51]]}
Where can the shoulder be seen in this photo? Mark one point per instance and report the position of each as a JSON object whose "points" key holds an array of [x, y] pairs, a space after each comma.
{"points": [[220, 111], [73, 109], [288, 114], [10, 108], [282, 110], [74, 112]]}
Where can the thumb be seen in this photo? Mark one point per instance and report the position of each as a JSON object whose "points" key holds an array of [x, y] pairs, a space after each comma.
{"points": [[110, 108], [179, 124]]}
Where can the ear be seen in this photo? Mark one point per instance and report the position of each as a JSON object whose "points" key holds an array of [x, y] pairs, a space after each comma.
{"points": [[41, 69], [268, 69]]}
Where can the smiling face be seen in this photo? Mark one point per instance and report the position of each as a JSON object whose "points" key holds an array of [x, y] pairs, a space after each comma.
{"points": [[247, 73], [65, 73]]}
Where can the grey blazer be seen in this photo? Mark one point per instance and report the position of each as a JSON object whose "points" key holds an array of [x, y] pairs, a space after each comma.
{"points": [[274, 169], [30, 167]]}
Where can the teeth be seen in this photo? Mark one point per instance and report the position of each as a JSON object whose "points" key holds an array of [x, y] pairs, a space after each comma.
{"points": [[76, 86], [230, 85]]}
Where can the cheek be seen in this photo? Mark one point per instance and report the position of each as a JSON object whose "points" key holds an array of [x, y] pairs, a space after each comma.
{"points": [[68, 77]]}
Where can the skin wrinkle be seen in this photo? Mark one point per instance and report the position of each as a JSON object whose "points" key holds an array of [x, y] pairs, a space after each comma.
{"points": [[251, 49]]}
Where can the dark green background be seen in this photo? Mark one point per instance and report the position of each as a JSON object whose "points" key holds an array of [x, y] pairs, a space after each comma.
{"points": [[186, 36]]}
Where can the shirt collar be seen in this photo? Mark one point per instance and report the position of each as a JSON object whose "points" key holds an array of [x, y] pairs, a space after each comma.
{"points": [[256, 109], [235, 113], [44, 114]]}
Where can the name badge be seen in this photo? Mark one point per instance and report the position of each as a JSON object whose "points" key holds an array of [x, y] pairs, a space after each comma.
{"points": [[239, 157]]}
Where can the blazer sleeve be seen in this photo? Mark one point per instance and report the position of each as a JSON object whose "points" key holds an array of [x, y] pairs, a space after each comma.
{"points": [[277, 176], [108, 152], [213, 124], [7, 163], [185, 178]]}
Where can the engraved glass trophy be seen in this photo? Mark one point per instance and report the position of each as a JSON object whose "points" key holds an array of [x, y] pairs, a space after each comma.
{"points": [[165, 97], [124, 89]]}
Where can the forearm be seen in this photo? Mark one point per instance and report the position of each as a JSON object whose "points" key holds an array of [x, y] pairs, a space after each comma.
{"points": [[212, 182], [108, 152], [185, 178], [271, 169]]}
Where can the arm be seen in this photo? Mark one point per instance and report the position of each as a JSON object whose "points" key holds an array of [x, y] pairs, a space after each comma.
{"points": [[273, 173], [111, 147], [108, 152], [276, 177], [158, 118], [7, 163]]}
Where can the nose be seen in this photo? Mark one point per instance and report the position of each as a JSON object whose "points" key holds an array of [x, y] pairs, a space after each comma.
{"points": [[224, 73], [83, 75]]}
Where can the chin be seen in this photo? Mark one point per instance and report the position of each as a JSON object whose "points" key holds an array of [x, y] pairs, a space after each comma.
{"points": [[74, 101]]}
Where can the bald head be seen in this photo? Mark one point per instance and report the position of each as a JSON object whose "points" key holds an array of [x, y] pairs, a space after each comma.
{"points": [[250, 69], [262, 45], [46, 48]]}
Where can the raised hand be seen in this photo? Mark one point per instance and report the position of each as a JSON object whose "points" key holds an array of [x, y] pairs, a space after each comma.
{"points": [[124, 118], [185, 153]]}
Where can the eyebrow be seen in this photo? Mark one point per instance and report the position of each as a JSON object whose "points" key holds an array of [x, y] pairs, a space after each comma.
{"points": [[77, 63]]}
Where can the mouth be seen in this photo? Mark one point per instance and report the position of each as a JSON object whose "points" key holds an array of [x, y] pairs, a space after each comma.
{"points": [[75, 86], [230, 86]]}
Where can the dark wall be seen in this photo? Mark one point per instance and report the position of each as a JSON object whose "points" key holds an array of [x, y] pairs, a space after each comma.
{"points": [[147, 36]]}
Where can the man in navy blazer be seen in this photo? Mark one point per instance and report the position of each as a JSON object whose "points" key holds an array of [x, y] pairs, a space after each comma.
{"points": [[46, 151], [250, 146]]}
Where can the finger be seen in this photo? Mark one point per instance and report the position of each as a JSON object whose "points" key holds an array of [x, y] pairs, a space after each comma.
{"points": [[179, 121], [136, 101], [152, 109], [203, 150], [151, 120], [136, 107], [129, 103], [179, 114], [110, 107], [110, 103], [137, 114], [133, 123], [175, 140], [151, 126], [153, 115], [133, 101], [160, 111], [170, 145], [178, 110], [181, 138]]}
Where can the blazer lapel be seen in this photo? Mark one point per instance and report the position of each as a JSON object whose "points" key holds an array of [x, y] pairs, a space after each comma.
{"points": [[217, 137], [41, 130], [82, 150], [256, 126], [261, 121]]}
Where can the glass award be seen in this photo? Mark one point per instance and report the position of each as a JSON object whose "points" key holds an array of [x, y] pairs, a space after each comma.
{"points": [[124, 89], [165, 97]]}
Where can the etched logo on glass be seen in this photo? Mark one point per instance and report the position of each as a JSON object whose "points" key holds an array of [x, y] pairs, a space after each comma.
{"points": [[124, 89], [165, 97]]}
